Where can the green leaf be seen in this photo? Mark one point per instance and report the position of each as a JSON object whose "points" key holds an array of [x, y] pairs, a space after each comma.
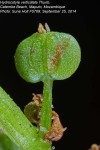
{"points": [[52, 54]]}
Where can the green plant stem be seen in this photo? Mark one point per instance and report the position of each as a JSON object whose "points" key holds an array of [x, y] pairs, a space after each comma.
{"points": [[6, 143], [17, 127], [46, 112], [14, 123]]}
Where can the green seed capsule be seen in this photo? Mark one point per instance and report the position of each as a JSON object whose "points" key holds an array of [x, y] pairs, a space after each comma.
{"points": [[52, 54]]}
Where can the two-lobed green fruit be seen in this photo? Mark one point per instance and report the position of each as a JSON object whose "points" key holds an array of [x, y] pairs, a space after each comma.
{"points": [[52, 54]]}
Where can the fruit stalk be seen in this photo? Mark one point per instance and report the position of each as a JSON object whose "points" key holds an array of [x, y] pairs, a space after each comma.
{"points": [[46, 112]]}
